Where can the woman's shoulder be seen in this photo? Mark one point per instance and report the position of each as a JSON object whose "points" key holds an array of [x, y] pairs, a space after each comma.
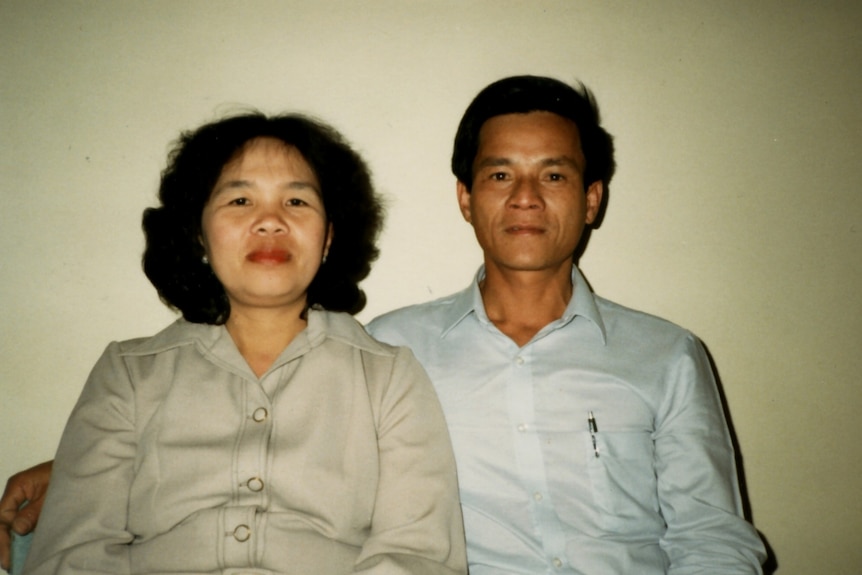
{"points": [[177, 334], [380, 357], [343, 327]]}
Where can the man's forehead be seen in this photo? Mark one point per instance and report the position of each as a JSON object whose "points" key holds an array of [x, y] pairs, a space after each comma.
{"points": [[547, 134], [535, 121]]}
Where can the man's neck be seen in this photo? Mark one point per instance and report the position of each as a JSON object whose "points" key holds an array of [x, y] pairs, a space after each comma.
{"points": [[520, 303]]}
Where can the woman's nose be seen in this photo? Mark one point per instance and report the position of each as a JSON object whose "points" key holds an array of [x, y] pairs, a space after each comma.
{"points": [[270, 221]]}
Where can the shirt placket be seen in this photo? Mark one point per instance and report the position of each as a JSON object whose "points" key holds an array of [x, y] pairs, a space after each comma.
{"points": [[530, 460], [242, 521]]}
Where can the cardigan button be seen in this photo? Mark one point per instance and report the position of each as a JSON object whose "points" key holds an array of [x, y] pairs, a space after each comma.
{"points": [[255, 484], [242, 533], [260, 414]]}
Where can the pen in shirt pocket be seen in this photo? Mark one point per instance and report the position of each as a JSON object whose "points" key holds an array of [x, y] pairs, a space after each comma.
{"points": [[591, 423]]}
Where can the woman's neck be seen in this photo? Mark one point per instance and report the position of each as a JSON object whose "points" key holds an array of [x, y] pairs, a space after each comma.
{"points": [[261, 335]]}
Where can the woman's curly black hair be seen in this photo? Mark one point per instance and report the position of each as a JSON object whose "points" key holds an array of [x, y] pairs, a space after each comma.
{"points": [[173, 256]]}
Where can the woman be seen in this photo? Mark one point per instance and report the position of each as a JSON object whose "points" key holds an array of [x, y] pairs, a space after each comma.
{"points": [[264, 432]]}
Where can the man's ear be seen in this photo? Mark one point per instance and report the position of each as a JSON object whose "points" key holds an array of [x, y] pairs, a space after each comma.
{"points": [[464, 201], [594, 200]]}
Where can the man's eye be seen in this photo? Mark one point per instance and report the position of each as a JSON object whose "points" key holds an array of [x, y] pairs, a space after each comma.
{"points": [[295, 202], [556, 177], [499, 176], [239, 202]]}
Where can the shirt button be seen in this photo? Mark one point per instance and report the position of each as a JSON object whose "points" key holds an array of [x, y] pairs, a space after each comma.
{"points": [[537, 496], [242, 533], [522, 428], [259, 414], [557, 562], [255, 484], [519, 360]]}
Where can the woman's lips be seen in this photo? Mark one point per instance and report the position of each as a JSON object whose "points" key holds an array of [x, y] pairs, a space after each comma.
{"points": [[269, 256]]}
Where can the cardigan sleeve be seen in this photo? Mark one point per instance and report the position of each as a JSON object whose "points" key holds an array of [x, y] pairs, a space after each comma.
{"points": [[417, 527], [82, 528]]}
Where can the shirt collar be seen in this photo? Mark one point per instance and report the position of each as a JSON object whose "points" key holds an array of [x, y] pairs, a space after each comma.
{"points": [[464, 303], [582, 304]]}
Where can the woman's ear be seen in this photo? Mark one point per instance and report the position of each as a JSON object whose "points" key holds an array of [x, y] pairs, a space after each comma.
{"points": [[330, 233], [203, 245]]}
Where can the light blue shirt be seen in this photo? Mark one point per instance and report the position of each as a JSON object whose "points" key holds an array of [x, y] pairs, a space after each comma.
{"points": [[657, 494]]}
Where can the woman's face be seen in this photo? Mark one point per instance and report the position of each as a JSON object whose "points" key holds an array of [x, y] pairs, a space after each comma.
{"points": [[264, 227]]}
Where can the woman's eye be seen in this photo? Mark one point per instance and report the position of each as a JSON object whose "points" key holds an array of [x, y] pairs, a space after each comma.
{"points": [[295, 202], [239, 202]]}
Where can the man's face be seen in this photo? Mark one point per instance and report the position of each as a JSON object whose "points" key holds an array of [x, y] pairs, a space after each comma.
{"points": [[528, 206]]}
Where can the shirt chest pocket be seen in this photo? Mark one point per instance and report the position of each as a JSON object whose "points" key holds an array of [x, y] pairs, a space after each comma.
{"points": [[622, 476]]}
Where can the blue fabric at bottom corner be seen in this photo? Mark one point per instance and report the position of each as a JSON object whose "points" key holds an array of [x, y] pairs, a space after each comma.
{"points": [[20, 547]]}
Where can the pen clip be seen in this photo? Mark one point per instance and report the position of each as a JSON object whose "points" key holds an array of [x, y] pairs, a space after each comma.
{"points": [[591, 423]]}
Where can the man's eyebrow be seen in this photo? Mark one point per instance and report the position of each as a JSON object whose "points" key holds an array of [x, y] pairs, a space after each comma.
{"points": [[493, 162], [560, 161]]}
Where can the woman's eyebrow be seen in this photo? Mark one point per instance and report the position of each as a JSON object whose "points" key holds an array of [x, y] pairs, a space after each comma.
{"points": [[244, 184]]}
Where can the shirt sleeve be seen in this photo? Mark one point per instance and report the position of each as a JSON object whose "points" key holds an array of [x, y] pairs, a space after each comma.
{"points": [[417, 526], [696, 473], [82, 528]]}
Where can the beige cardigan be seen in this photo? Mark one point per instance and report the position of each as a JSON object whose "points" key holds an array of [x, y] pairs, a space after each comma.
{"points": [[177, 459]]}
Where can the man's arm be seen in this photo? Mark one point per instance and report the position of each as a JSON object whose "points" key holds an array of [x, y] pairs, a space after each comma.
{"points": [[27, 486], [697, 482]]}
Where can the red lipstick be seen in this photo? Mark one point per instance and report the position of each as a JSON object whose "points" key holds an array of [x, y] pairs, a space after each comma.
{"points": [[269, 256]]}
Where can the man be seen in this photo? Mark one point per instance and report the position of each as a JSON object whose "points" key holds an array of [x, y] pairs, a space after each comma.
{"points": [[589, 438]]}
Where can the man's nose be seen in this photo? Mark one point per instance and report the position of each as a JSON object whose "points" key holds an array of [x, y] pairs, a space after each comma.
{"points": [[526, 194]]}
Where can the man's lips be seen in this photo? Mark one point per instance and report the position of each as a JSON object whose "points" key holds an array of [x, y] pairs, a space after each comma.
{"points": [[269, 256], [524, 229]]}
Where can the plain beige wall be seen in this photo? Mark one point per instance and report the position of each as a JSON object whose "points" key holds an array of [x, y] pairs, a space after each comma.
{"points": [[735, 211]]}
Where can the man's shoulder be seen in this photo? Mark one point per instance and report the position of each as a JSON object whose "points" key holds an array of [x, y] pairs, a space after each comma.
{"points": [[622, 322], [404, 324]]}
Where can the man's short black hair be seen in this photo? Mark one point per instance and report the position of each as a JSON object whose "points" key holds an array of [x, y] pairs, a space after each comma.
{"points": [[524, 94]]}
